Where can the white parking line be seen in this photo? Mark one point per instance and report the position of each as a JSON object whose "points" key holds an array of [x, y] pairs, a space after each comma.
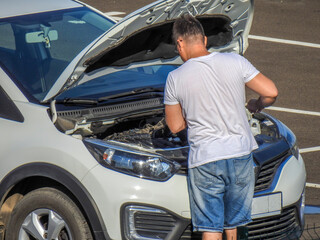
{"points": [[311, 149], [291, 42], [298, 43], [281, 109], [313, 185]]}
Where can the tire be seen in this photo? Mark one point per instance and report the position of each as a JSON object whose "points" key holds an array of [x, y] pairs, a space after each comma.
{"points": [[47, 213]]}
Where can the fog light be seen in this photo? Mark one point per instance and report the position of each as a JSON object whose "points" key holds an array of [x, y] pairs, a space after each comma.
{"points": [[146, 223]]}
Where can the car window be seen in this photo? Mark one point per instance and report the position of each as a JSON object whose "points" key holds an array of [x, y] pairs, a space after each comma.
{"points": [[7, 45], [125, 80], [36, 48], [8, 110], [7, 40]]}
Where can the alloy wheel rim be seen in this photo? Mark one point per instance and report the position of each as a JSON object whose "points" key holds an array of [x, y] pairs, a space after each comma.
{"points": [[44, 224]]}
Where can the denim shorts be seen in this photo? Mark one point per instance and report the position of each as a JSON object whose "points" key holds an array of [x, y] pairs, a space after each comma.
{"points": [[221, 194]]}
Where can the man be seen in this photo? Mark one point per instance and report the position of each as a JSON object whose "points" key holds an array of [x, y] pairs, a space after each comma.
{"points": [[207, 95]]}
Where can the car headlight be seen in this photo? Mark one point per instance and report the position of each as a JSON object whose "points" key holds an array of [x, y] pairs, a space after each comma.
{"points": [[290, 138], [295, 151], [132, 161]]}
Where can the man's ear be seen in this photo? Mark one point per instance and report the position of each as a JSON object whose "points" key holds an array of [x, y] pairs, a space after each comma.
{"points": [[205, 40], [179, 43]]}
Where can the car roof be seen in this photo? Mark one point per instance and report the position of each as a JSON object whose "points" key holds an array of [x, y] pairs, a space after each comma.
{"points": [[11, 8]]}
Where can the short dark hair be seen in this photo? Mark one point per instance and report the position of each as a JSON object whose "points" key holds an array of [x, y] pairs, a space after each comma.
{"points": [[187, 27]]}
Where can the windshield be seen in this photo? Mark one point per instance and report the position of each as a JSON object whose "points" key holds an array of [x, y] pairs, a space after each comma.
{"points": [[36, 48], [121, 81]]}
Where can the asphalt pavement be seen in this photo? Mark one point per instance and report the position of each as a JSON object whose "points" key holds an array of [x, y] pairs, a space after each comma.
{"points": [[285, 46], [295, 68]]}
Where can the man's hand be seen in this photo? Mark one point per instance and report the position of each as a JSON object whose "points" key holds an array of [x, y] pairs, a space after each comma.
{"points": [[253, 106], [266, 89], [256, 105], [174, 118]]}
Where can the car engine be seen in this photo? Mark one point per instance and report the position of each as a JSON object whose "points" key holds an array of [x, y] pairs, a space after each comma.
{"points": [[147, 130]]}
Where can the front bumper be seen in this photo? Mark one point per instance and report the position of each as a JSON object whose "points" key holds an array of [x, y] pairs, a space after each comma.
{"points": [[112, 190], [134, 208], [149, 223], [286, 225]]}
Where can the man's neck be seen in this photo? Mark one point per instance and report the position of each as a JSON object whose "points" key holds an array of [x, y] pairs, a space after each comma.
{"points": [[197, 51]]}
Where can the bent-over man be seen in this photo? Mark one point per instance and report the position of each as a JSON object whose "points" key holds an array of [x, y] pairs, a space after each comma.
{"points": [[207, 95]]}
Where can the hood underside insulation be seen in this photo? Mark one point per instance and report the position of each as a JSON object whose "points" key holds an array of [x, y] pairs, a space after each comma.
{"points": [[155, 42]]}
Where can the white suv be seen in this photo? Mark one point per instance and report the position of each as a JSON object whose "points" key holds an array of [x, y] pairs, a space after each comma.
{"points": [[85, 152]]}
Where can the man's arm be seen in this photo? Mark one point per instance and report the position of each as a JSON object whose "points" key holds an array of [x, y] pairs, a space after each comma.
{"points": [[174, 118], [266, 89]]}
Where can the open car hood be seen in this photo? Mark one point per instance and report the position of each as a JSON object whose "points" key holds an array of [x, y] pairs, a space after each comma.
{"points": [[145, 36]]}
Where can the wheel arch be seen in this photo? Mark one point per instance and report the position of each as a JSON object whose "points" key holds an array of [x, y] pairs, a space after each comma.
{"points": [[36, 175]]}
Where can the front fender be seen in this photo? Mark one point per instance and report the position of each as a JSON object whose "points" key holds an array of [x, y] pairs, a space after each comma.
{"points": [[61, 176]]}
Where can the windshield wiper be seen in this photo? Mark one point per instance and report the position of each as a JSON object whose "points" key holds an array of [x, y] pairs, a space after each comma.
{"points": [[139, 91], [77, 101]]}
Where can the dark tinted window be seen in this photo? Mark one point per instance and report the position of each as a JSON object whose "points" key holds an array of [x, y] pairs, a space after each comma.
{"points": [[125, 80], [8, 109], [36, 48]]}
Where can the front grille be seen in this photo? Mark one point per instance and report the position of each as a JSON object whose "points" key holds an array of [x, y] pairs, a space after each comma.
{"points": [[267, 172], [284, 226], [142, 222], [189, 235]]}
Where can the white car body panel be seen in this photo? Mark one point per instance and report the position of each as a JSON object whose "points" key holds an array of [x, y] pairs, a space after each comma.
{"points": [[172, 195], [291, 180], [46, 145]]}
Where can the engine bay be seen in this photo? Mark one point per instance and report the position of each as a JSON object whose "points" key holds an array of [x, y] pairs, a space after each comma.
{"points": [[143, 128], [147, 130]]}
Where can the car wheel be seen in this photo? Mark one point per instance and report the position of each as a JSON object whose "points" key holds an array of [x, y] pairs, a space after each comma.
{"points": [[47, 213]]}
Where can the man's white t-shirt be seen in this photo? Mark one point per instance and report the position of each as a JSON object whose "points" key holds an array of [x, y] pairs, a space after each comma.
{"points": [[211, 91]]}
